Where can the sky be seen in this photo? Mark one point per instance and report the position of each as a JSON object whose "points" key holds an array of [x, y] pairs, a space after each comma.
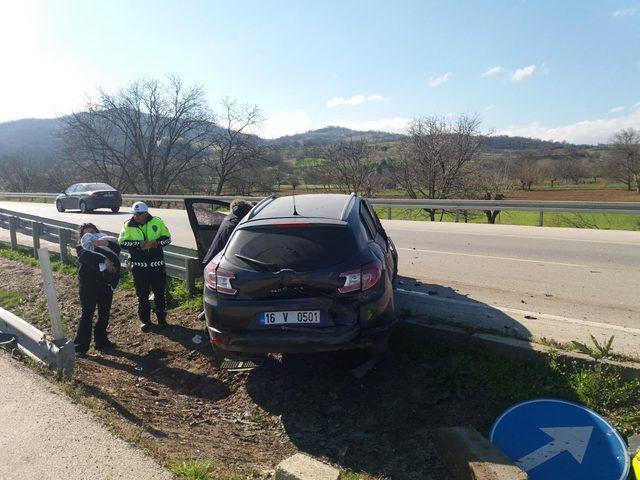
{"points": [[550, 69]]}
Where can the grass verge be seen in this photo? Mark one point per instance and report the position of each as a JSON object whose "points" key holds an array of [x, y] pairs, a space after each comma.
{"points": [[596, 221], [10, 299], [463, 372]]}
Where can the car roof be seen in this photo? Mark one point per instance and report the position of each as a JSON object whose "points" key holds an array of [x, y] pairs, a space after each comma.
{"points": [[317, 206]]}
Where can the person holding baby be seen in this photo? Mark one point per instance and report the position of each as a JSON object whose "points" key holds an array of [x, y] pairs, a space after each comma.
{"points": [[98, 277]]}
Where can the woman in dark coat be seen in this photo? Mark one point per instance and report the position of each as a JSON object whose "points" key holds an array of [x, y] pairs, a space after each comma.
{"points": [[98, 277]]}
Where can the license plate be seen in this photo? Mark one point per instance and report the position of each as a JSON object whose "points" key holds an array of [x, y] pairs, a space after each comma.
{"points": [[301, 317], [107, 194]]}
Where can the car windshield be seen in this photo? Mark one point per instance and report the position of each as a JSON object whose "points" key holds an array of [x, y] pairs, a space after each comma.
{"points": [[297, 248]]}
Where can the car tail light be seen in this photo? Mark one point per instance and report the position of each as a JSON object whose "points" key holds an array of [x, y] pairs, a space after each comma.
{"points": [[371, 273], [94, 194], [218, 279], [352, 281], [362, 278]]}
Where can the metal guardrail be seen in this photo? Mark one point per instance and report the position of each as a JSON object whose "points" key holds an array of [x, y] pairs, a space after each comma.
{"points": [[455, 206], [181, 263], [632, 208]]}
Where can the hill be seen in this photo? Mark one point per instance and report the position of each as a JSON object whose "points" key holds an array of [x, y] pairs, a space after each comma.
{"points": [[331, 135], [36, 139]]}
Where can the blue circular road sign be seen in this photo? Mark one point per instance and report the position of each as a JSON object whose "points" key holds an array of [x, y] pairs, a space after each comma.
{"points": [[555, 439]]}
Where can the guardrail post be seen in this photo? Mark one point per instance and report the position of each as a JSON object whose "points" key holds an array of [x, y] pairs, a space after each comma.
{"points": [[541, 219], [52, 299], [457, 216], [190, 273], [389, 213], [13, 227], [63, 241], [36, 231]]}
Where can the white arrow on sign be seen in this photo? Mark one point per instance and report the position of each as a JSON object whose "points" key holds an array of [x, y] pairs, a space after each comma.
{"points": [[570, 439]]}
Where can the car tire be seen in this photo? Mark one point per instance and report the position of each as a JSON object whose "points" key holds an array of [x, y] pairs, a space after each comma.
{"points": [[115, 209], [217, 357], [83, 207], [59, 206], [380, 348]]}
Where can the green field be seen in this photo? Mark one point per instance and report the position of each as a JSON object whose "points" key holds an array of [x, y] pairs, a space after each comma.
{"points": [[308, 162], [580, 186], [551, 219]]}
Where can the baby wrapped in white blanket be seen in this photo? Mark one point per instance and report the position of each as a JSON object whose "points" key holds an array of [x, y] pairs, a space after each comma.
{"points": [[87, 242]]}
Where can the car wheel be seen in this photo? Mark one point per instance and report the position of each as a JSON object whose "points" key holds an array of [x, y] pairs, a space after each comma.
{"points": [[59, 206], [115, 209], [380, 348], [83, 207], [217, 357]]}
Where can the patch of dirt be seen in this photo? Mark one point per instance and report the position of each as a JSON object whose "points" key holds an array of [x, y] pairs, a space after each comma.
{"points": [[595, 195], [182, 407]]}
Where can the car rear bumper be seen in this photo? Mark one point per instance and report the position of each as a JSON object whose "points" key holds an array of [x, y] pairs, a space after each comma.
{"points": [[356, 327], [288, 341], [93, 203]]}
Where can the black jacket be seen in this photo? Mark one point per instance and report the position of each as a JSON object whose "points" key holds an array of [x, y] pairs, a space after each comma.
{"points": [[227, 227], [89, 270]]}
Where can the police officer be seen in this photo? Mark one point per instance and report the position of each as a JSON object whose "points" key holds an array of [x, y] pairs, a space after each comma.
{"points": [[144, 236]]}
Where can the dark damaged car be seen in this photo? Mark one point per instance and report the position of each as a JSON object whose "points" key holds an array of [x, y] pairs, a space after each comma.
{"points": [[306, 274]]}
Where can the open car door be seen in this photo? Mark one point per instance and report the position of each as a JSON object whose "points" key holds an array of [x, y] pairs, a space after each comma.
{"points": [[205, 217]]}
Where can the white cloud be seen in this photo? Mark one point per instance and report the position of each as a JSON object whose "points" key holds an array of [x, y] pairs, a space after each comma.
{"points": [[439, 80], [355, 100], [616, 109], [491, 71], [489, 108], [588, 131], [337, 101], [394, 124], [523, 72], [626, 12], [285, 123]]}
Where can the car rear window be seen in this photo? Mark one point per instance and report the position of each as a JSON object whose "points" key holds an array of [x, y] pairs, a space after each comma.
{"points": [[299, 248], [98, 186]]}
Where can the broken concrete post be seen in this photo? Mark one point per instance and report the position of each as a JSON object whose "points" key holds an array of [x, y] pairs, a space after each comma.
{"points": [[470, 456], [304, 467]]}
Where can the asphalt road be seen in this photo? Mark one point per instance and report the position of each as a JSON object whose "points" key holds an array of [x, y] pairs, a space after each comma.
{"points": [[46, 436], [589, 275]]}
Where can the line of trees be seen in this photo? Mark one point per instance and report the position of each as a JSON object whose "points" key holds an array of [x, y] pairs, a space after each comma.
{"points": [[161, 137]]}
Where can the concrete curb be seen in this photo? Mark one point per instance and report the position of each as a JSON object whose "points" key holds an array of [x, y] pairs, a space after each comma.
{"points": [[517, 323], [514, 348], [470, 456], [304, 467]]}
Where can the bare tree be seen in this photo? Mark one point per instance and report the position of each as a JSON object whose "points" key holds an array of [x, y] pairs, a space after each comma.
{"points": [[143, 137], [235, 145], [548, 170], [17, 174], [570, 169], [350, 166], [625, 159], [526, 170], [492, 181], [434, 161]]}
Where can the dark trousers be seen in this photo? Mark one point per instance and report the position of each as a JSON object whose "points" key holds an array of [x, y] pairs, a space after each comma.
{"points": [[92, 294], [148, 279]]}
